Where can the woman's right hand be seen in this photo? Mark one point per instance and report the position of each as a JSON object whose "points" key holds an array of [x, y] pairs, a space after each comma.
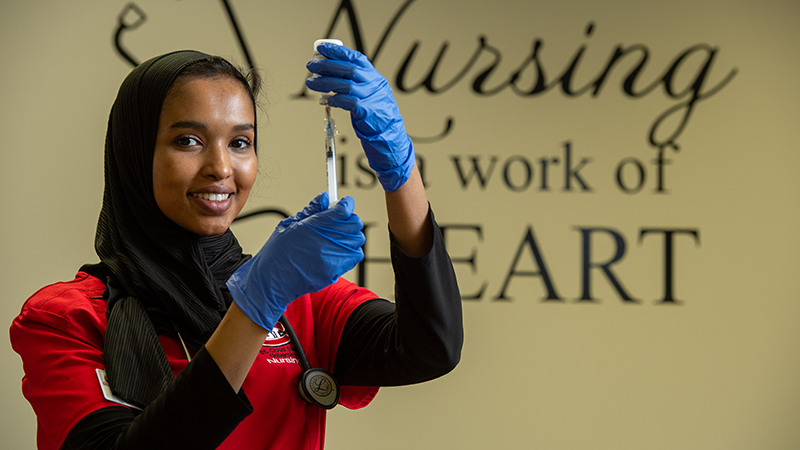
{"points": [[305, 253]]}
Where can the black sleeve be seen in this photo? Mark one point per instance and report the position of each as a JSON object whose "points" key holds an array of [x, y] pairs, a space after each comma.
{"points": [[198, 411], [415, 339]]}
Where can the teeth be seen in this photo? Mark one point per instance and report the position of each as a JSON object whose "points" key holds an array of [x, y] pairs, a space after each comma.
{"points": [[212, 197]]}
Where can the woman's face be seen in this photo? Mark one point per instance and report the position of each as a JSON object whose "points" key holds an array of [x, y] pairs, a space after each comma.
{"points": [[205, 162]]}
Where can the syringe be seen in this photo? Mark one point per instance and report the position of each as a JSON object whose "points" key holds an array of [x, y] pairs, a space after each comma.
{"points": [[330, 131]]}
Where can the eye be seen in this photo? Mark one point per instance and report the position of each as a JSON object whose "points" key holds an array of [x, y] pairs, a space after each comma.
{"points": [[187, 141], [241, 144]]}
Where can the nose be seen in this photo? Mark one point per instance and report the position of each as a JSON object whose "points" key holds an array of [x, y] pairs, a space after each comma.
{"points": [[217, 162]]}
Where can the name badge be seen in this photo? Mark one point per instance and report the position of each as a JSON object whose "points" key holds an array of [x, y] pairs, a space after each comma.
{"points": [[106, 387]]}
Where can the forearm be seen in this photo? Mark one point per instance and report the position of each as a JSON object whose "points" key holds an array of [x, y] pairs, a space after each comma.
{"points": [[417, 338], [196, 411], [407, 209], [199, 395], [235, 345]]}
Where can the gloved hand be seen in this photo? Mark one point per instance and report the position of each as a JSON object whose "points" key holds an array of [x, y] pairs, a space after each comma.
{"points": [[305, 253], [376, 119]]}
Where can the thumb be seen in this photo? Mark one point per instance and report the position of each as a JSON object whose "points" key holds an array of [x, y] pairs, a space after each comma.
{"points": [[344, 207], [319, 203]]}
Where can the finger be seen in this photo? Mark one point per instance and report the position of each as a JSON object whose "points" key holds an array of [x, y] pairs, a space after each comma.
{"points": [[344, 261], [347, 103], [353, 98], [349, 240], [331, 84], [338, 216], [338, 222], [344, 207], [342, 53], [340, 69], [349, 237]]}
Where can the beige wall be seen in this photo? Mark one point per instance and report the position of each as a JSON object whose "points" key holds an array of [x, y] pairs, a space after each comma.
{"points": [[717, 370]]}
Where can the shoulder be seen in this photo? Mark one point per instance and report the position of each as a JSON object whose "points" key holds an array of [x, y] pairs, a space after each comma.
{"points": [[52, 296], [59, 336], [76, 303], [58, 298]]}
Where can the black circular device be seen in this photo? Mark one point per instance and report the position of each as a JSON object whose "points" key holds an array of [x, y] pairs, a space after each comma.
{"points": [[317, 386]]}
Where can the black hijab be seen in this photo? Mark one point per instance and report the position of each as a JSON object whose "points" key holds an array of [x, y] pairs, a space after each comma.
{"points": [[163, 278]]}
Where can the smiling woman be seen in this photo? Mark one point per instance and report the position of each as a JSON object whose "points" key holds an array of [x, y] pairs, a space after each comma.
{"points": [[155, 346], [204, 163]]}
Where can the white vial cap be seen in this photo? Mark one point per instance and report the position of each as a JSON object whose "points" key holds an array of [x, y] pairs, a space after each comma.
{"points": [[319, 42]]}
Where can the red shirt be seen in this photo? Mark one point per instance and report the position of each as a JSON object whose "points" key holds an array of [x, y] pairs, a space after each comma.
{"points": [[60, 332]]}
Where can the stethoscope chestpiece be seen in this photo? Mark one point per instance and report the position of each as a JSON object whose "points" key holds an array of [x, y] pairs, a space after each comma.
{"points": [[320, 388], [317, 386]]}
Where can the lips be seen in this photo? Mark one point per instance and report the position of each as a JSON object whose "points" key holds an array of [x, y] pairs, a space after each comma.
{"points": [[213, 200]]}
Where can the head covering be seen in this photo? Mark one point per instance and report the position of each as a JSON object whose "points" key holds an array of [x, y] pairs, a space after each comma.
{"points": [[164, 279]]}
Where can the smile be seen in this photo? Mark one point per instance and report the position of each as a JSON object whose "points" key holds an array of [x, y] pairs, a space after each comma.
{"points": [[212, 197]]}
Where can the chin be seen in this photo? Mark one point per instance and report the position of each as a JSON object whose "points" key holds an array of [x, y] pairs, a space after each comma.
{"points": [[208, 229], [212, 232]]}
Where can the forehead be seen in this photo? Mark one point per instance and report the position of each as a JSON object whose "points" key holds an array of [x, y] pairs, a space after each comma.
{"points": [[217, 96]]}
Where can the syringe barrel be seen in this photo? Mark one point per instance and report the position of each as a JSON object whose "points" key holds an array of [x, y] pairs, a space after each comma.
{"points": [[330, 131], [333, 195]]}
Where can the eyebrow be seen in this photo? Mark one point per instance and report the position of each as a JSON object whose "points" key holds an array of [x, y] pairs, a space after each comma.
{"points": [[192, 124]]}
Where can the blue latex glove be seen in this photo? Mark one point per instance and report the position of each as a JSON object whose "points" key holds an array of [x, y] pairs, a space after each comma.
{"points": [[376, 119], [305, 253]]}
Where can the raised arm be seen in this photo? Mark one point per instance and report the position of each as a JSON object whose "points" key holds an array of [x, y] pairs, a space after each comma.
{"points": [[376, 119], [418, 337]]}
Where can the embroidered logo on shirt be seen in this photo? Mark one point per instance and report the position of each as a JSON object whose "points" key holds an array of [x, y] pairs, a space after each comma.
{"points": [[276, 348], [277, 337]]}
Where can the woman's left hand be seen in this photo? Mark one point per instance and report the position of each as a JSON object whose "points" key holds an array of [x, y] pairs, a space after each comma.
{"points": [[364, 92]]}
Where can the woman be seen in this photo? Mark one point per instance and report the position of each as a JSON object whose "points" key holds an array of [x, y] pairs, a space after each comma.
{"points": [[187, 335]]}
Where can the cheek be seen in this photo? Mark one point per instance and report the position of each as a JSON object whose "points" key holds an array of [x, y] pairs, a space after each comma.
{"points": [[167, 184], [246, 173]]}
